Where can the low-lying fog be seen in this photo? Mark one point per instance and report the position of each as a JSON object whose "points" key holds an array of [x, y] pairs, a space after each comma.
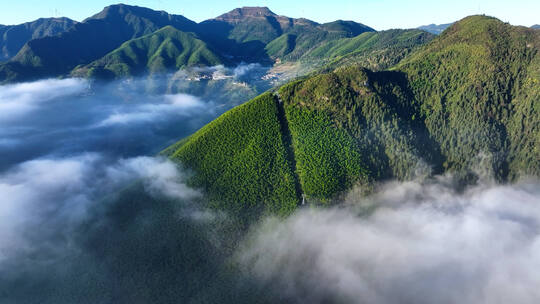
{"points": [[411, 242], [123, 118], [69, 234]]}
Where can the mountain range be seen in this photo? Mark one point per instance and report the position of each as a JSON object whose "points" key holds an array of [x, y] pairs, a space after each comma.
{"points": [[436, 29], [125, 40], [87, 41], [396, 166], [13, 37]]}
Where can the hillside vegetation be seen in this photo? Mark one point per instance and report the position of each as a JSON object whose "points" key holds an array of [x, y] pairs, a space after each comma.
{"points": [[351, 124], [164, 50], [373, 50], [478, 85], [87, 41], [465, 104], [241, 160], [125, 40], [256, 33]]}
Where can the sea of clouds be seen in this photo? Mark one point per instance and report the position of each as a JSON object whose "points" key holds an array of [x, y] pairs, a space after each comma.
{"points": [[410, 242], [71, 153], [123, 118]]}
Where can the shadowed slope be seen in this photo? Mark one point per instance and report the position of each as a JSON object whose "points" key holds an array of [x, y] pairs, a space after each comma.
{"points": [[87, 41], [478, 86], [13, 37]]}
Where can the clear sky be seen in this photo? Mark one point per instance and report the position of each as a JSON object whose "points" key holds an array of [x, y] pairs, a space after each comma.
{"points": [[379, 14]]}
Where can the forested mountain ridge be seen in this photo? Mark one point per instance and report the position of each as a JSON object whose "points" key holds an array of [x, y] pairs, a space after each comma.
{"points": [[13, 37], [87, 41], [167, 49], [374, 50], [466, 102], [248, 34], [478, 87], [256, 33]]}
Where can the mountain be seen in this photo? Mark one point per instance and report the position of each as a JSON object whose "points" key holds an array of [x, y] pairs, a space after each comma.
{"points": [[465, 104], [258, 34], [164, 50], [243, 159], [248, 34], [436, 29], [298, 41], [304, 40], [254, 24], [478, 88], [13, 37], [536, 26], [88, 41], [350, 27], [374, 50]]}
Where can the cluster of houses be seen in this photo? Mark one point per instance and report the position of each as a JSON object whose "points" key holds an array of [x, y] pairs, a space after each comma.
{"points": [[215, 75]]}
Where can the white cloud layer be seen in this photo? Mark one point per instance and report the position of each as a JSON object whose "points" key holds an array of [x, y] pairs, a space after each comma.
{"points": [[44, 198], [245, 69], [424, 243], [160, 176], [172, 104], [18, 99]]}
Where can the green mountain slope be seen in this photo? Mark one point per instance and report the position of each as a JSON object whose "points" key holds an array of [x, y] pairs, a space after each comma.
{"points": [[374, 50], [87, 41], [248, 34], [299, 41], [242, 160], [465, 104], [352, 28], [354, 125], [478, 85], [13, 37], [163, 50]]}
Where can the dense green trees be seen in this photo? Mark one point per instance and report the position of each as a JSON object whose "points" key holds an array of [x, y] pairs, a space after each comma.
{"points": [[87, 41], [373, 50], [164, 50], [479, 93], [467, 103], [240, 159], [327, 159], [370, 123]]}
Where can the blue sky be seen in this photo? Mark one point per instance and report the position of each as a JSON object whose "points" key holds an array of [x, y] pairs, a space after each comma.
{"points": [[380, 14]]}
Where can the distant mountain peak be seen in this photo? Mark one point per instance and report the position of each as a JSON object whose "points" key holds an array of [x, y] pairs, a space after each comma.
{"points": [[247, 11], [436, 29], [120, 10]]}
